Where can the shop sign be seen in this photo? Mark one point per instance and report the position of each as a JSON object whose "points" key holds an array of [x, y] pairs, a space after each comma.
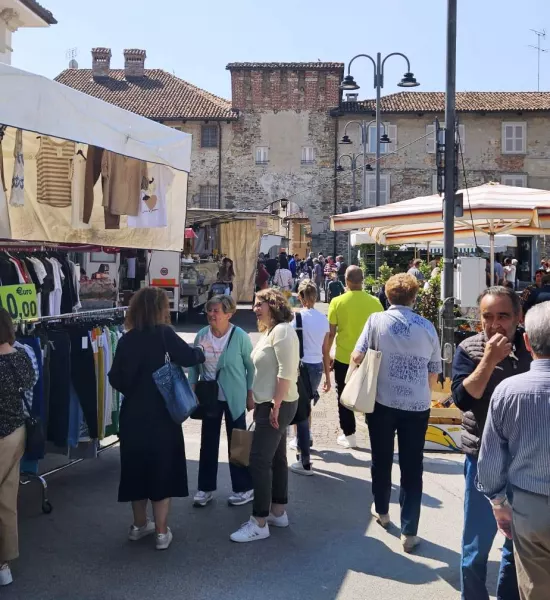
{"points": [[19, 301]]}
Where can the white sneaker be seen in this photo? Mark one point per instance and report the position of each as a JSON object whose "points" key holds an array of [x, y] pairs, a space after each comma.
{"points": [[164, 539], [240, 498], [293, 444], [5, 575], [347, 441], [299, 468], [250, 532], [136, 533], [281, 521], [202, 498]]}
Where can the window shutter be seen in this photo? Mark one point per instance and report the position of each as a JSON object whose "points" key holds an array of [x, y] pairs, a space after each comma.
{"points": [[430, 139], [461, 135], [434, 184], [371, 190]]}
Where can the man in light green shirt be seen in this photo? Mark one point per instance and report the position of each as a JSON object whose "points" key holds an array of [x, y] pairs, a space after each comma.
{"points": [[347, 315]]}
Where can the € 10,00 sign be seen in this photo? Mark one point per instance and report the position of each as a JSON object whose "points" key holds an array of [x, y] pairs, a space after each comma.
{"points": [[19, 301]]}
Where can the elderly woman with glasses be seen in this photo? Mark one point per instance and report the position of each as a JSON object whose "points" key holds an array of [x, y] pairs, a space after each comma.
{"points": [[276, 360], [227, 349]]}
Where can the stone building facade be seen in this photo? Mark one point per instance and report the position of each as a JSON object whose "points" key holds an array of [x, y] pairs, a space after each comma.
{"points": [[279, 137], [505, 137], [284, 141]]}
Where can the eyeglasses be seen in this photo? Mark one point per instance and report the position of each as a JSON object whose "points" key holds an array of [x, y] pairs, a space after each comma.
{"points": [[258, 304]]}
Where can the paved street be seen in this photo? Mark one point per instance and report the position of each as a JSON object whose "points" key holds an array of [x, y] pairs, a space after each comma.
{"points": [[333, 549]]}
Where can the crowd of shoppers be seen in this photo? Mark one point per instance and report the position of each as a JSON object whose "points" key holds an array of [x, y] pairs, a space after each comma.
{"points": [[500, 381]]}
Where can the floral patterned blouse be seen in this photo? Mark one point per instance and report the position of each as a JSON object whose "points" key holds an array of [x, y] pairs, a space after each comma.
{"points": [[16, 375]]}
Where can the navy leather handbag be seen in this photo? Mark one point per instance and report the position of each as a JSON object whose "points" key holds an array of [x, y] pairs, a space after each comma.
{"points": [[175, 388]]}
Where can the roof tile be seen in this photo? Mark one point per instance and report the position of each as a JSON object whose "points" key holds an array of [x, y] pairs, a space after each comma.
{"points": [[158, 95], [408, 102], [40, 11]]}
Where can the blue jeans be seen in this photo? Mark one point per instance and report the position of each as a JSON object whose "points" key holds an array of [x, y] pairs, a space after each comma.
{"points": [[480, 529], [302, 429]]}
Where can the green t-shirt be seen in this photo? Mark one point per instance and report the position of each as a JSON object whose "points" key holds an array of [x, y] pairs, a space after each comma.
{"points": [[349, 312]]}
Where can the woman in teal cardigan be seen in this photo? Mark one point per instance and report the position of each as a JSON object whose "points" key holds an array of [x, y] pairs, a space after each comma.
{"points": [[227, 349]]}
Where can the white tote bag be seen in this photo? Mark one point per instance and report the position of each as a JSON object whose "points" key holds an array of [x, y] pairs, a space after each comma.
{"points": [[359, 394]]}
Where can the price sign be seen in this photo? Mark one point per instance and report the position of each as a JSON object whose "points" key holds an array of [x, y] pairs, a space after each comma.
{"points": [[19, 301]]}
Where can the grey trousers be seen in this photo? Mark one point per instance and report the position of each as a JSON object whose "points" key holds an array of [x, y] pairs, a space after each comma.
{"points": [[268, 465], [531, 532]]}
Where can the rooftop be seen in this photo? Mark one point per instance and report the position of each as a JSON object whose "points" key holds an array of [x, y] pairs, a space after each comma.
{"points": [[414, 102], [40, 11], [157, 95], [285, 65]]}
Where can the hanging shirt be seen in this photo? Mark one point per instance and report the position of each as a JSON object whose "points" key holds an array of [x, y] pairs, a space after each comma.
{"points": [[124, 178], [17, 197], [78, 175], [53, 165], [131, 262], [153, 212], [5, 227]]}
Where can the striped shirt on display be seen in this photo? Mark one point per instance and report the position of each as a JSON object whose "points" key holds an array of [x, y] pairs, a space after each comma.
{"points": [[515, 448], [53, 166]]}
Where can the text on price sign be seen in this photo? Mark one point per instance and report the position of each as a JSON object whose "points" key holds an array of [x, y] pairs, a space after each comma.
{"points": [[19, 301]]}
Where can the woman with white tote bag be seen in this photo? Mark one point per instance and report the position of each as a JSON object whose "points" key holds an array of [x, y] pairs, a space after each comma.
{"points": [[409, 363]]}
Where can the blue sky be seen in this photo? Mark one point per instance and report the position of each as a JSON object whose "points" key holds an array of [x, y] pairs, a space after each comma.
{"points": [[196, 39]]}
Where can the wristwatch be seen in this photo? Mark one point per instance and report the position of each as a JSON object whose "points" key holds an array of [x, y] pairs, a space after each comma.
{"points": [[499, 502]]}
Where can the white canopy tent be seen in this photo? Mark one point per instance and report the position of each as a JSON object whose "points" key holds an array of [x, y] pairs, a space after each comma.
{"points": [[41, 107], [489, 209]]}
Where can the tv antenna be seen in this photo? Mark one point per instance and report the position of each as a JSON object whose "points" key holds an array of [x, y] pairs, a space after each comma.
{"points": [[541, 35], [71, 55]]}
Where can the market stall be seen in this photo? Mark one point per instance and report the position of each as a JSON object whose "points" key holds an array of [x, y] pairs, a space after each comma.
{"points": [[76, 170]]}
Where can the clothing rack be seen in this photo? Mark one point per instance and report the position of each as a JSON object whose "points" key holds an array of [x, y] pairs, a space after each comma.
{"points": [[27, 477], [82, 314]]}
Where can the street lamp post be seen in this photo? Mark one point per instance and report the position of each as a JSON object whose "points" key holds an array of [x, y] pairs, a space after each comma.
{"points": [[349, 84], [353, 163], [365, 129]]}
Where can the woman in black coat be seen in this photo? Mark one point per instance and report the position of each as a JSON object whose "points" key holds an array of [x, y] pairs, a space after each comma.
{"points": [[152, 450]]}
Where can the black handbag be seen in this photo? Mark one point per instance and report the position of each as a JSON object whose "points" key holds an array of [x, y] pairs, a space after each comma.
{"points": [[36, 438], [305, 391], [207, 393]]}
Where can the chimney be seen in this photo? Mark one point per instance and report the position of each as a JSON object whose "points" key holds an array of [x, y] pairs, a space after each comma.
{"points": [[134, 63], [101, 62]]}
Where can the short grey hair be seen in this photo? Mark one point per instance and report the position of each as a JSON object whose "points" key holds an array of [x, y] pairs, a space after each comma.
{"points": [[537, 326], [227, 303], [502, 292]]}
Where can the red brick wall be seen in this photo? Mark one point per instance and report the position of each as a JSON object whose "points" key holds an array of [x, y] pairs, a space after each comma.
{"points": [[285, 89]]}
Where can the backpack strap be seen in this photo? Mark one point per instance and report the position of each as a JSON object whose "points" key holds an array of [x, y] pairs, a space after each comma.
{"points": [[300, 333]]}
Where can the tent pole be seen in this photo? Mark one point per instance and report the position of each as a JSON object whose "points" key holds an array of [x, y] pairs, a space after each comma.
{"points": [[492, 256]]}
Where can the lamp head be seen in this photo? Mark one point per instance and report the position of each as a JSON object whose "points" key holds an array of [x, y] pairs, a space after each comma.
{"points": [[349, 83], [384, 139], [346, 140], [339, 168], [408, 80]]}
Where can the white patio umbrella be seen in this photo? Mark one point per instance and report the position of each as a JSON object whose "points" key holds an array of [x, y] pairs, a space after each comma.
{"points": [[489, 209]]}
